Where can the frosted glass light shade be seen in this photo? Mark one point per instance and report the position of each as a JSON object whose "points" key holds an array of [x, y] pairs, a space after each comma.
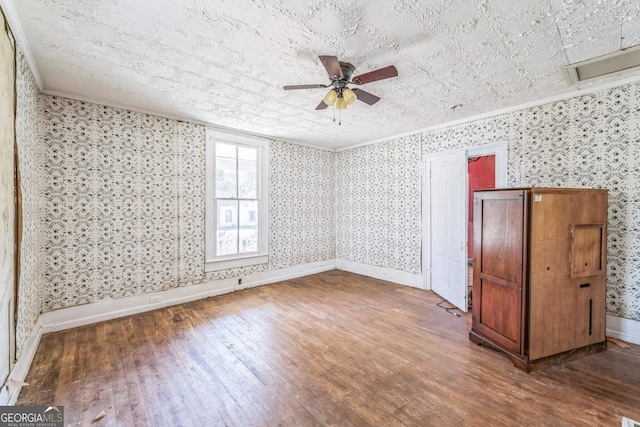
{"points": [[349, 96], [330, 97]]}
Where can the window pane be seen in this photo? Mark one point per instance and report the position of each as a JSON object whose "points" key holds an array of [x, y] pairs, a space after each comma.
{"points": [[247, 172], [226, 180], [227, 227], [225, 150], [248, 226], [247, 153]]}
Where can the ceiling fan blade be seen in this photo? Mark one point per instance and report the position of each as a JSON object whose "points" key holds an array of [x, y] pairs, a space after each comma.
{"points": [[332, 66], [292, 87], [375, 75], [366, 97], [321, 106]]}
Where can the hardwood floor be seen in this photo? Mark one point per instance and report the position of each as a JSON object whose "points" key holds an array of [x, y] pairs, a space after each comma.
{"points": [[330, 349]]}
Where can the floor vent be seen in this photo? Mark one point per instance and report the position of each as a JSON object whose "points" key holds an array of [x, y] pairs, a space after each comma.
{"points": [[625, 60], [626, 422]]}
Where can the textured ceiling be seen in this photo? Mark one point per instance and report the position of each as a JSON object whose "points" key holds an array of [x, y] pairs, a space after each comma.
{"points": [[224, 62]]}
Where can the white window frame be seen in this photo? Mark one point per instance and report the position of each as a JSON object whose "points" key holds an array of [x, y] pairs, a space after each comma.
{"points": [[213, 262]]}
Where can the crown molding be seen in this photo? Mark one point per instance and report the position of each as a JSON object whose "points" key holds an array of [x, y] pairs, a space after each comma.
{"points": [[21, 40]]}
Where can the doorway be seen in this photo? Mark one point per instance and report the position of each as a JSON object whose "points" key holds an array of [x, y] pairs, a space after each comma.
{"points": [[446, 213], [481, 172]]}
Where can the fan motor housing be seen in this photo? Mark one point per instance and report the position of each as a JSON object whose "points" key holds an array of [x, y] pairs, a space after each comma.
{"points": [[347, 70]]}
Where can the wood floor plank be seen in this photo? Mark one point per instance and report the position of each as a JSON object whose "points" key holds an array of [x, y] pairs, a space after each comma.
{"points": [[128, 405], [331, 349]]}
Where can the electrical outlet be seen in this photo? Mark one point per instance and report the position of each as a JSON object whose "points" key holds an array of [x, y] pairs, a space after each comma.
{"points": [[154, 300], [239, 281]]}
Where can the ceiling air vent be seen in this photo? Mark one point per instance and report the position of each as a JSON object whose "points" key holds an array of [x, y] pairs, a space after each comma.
{"points": [[625, 60]]}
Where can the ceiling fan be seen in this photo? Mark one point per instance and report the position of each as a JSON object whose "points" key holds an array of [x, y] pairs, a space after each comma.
{"points": [[340, 95]]}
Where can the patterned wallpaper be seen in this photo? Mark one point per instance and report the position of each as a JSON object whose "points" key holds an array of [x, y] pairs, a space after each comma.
{"points": [[590, 141], [124, 210], [31, 255], [361, 204], [587, 141], [301, 205], [190, 227], [378, 204], [111, 202]]}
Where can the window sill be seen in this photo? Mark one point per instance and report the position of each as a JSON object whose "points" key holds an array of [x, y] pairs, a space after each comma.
{"points": [[224, 264]]}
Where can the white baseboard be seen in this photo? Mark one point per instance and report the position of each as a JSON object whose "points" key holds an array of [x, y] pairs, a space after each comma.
{"points": [[273, 276], [427, 279], [80, 315], [623, 329], [382, 273], [9, 394]]}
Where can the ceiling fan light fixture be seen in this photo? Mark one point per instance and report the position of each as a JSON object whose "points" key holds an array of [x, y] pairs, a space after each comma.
{"points": [[349, 96], [330, 97], [340, 74]]}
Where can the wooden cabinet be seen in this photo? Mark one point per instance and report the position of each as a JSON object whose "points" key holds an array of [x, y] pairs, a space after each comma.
{"points": [[540, 272]]}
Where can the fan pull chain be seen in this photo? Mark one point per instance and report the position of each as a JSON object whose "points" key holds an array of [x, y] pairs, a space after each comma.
{"points": [[334, 113], [340, 117]]}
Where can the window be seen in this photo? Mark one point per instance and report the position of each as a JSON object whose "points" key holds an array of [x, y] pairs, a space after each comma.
{"points": [[236, 205]]}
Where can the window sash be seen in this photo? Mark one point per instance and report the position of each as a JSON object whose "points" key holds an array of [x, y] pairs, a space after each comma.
{"points": [[234, 231], [237, 225], [251, 245]]}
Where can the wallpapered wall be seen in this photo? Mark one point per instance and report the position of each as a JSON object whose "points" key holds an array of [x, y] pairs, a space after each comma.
{"points": [[301, 205], [31, 255], [587, 141], [124, 209], [378, 204], [590, 141]]}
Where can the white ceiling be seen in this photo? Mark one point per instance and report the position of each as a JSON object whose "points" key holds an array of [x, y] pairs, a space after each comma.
{"points": [[224, 62]]}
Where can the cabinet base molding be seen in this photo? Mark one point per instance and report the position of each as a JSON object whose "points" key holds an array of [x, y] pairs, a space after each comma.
{"points": [[527, 365]]}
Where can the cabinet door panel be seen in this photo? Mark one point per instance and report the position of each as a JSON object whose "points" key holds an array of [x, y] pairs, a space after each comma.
{"points": [[500, 312], [502, 237], [499, 239]]}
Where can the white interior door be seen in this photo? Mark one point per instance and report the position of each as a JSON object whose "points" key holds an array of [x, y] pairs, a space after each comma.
{"points": [[446, 225]]}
